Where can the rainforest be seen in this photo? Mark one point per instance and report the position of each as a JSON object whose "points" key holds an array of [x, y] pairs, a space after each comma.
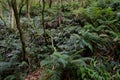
{"points": [[59, 39]]}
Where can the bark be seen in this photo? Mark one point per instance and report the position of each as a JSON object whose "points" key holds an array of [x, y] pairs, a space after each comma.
{"points": [[59, 17], [28, 8], [21, 7], [50, 3], [43, 22], [16, 14], [11, 19], [60, 13]]}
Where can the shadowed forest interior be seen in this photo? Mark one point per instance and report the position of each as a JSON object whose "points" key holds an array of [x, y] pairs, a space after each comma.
{"points": [[59, 39]]}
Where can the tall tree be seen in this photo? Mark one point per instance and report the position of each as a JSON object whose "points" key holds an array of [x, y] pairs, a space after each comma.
{"points": [[50, 3], [28, 8], [60, 13], [43, 21], [22, 38], [11, 16]]}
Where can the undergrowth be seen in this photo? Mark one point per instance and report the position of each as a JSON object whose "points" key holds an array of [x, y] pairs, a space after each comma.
{"points": [[84, 47]]}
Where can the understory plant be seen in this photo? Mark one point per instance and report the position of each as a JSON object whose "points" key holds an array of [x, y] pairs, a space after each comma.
{"points": [[84, 47], [74, 67]]}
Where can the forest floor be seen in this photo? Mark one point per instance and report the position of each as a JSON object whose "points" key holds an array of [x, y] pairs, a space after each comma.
{"points": [[34, 75]]}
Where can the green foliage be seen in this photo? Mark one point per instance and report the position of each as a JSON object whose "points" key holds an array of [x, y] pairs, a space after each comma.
{"points": [[116, 5], [85, 46], [79, 68]]}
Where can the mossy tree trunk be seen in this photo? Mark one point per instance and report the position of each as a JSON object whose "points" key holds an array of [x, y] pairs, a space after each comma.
{"points": [[11, 16], [22, 38], [50, 3], [60, 13], [43, 21], [28, 9]]}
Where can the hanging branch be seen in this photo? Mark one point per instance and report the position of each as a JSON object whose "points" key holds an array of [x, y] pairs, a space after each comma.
{"points": [[16, 14]]}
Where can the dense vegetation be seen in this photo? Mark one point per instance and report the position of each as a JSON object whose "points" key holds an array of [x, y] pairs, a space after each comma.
{"points": [[63, 39]]}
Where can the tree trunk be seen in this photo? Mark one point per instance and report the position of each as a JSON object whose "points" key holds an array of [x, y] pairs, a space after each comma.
{"points": [[60, 13], [28, 8], [11, 19], [16, 14], [11, 16], [43, 22], [50, 3]]}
